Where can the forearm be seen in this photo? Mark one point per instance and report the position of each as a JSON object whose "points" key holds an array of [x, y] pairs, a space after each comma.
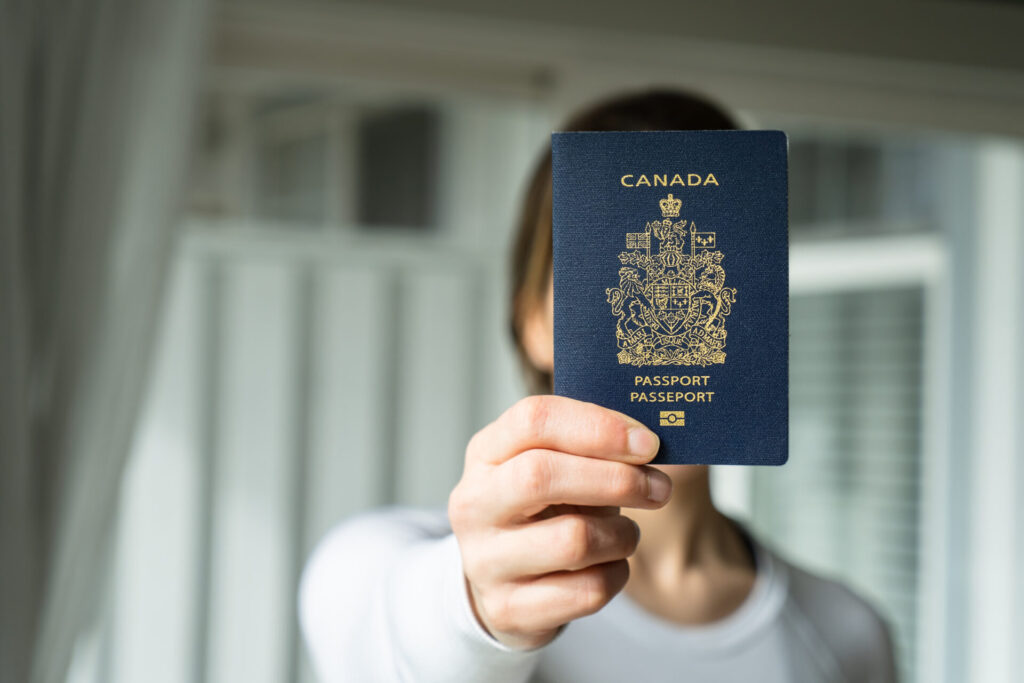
{"points": [[383, 600], [436, 637]]}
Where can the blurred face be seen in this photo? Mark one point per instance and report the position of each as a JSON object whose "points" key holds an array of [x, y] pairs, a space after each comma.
{"points": [[539, 331], [539, 340]]}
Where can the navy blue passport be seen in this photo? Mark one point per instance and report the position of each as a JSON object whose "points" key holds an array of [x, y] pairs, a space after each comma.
{"points": [[671, 286]]}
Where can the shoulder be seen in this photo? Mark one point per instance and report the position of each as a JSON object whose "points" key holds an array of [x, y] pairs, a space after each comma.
{"points": [[394, 524], [373, 535], [358, 550], [843, 621]]}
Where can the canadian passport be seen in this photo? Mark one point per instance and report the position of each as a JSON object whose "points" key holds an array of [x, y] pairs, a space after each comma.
{"points": [[671, 286]]}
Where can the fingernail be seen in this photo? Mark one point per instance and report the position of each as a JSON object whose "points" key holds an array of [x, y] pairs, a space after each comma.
{"points": [[642, 441], [658, 486]]}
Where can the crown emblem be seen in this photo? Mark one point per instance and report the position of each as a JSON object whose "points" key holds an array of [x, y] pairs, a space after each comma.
{"points": [[671, 302], [670, 206]]}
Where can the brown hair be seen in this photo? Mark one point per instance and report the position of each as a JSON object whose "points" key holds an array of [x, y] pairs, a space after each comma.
{"points": [[659, 109]]}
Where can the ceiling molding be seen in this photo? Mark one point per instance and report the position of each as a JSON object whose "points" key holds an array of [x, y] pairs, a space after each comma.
{"points": [[520, 57]]}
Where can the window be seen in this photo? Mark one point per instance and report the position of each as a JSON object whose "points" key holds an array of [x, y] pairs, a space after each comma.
{"points": [[857, 184], [867, 254], [847, 503], [323, 160], [398, 167]]}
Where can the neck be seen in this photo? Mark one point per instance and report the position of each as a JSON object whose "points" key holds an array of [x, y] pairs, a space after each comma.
{"points": [[687, 536]]}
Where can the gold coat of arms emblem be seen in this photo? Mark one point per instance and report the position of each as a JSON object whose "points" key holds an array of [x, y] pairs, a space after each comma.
{"points": [[671, 302]]}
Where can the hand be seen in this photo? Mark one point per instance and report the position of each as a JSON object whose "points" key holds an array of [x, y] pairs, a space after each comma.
{"points": [[536, 514]]}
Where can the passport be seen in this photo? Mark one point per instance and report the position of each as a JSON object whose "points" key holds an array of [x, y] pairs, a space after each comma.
{"points": [[671, 285]]}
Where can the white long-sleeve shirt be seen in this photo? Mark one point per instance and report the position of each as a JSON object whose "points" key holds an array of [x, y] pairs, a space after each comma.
{"points": [[383, 598]]}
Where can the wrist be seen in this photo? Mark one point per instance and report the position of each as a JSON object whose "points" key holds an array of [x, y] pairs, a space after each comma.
{"points": [[513, 641]]}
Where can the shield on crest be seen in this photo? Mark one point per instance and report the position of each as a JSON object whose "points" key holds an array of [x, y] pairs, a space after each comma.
{"points": [[671, 299]]}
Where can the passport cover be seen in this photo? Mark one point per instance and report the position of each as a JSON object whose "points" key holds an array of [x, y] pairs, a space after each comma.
{"points": [[671, 283]]}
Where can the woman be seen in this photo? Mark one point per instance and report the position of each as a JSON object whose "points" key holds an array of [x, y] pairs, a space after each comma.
{"points": [[535, 539]]}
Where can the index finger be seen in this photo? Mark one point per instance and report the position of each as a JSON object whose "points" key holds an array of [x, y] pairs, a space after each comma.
{"points": [[567, 425]]}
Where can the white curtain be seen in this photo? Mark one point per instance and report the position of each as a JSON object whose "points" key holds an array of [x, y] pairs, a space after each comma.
{"points": [[97, 100]]}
